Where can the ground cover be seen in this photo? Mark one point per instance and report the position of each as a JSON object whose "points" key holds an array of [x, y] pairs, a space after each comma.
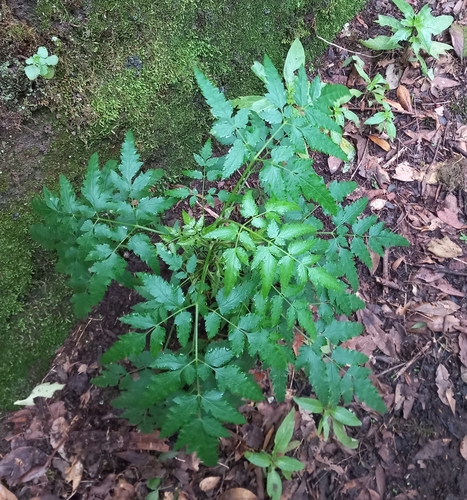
{"points": [[415, 327]]}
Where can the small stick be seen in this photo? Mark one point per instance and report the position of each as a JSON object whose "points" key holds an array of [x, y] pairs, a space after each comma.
{"points": [[439, 269], [344, 49]]}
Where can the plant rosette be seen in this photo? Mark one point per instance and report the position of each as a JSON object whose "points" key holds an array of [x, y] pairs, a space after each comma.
{"points": [[41, 64]]}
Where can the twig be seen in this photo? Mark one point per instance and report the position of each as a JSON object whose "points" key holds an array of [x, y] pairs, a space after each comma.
{"points": [[344, 49], [439, 269], [394, 158], [405, 366]]}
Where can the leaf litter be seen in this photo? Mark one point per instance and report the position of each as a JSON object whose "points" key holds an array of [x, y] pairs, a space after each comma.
{"points": [[415, 337]]}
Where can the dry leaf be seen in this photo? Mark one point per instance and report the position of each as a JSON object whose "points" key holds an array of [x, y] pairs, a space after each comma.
{"points": [[403, 95], [209, 483], [463, 448], [405, 173], [440, 308], [463, 348], [380, 142], [393, 75], [298, 341], [459, 39], [442, 82], [6, 494], [150, 442], [334, 164], [124, 491], [238, 494], [444, 248], [444, 384], [377, 204], [395, 105], [450, 218], [433, 449], [74, 473]]}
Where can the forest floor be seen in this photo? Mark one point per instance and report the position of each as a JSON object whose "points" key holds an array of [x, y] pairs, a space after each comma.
{"points": [[415, 333]]}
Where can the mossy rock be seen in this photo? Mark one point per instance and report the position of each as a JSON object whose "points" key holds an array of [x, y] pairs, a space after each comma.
{"points": [[133, 61]]}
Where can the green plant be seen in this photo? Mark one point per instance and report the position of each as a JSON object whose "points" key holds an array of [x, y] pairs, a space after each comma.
{"points": [[41, 64], [221, 294], [332, 413], [276, 459], [416, 29], [153, 484], [378, 87], [463, 237]]}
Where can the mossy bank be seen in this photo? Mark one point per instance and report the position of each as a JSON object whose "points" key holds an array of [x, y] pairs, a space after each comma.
{"points": [[123, 64]]}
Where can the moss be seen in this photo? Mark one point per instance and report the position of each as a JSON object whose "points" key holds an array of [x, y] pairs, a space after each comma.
{"points": [[459, 108], [36, 313], [15, 256], [160, 102], [30, 338]]}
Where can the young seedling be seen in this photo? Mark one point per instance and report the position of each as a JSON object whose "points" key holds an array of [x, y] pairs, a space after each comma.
{"points": [[270, 462], [338, 416], [41, 64], [377, 87], [415, 29]]}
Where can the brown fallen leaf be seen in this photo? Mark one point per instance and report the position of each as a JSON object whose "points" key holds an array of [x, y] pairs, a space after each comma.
{"points": [[440, 308], [377, 204], [298, 341], [405, 173], [463, 448], [463, 348], [395, 105], [334, 164], [444, 248], [443, 82], [458, 34], [445, 287], [124, 491], [238, 494], [74, 473], [152, 442], [403, 95], [444, 384], [6, 494], [450, 218], [380, 142], [433, 449], [19, 462], [209, 483]]}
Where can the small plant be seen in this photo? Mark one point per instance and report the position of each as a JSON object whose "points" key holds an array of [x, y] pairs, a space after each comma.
{"points": [[41, 64], [463, 237], [332, 413], [270, 462], [378, 87], [221, 294], [153, 484], [415, 29]]}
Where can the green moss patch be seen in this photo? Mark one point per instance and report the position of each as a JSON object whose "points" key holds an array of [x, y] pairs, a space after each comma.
{"points": [[131, 65]]}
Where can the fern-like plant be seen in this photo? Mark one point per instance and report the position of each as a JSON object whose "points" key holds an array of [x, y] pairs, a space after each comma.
{"points": [[223, 293]]}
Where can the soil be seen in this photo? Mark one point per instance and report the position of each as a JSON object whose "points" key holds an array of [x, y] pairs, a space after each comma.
{"points": [[418, 450]]}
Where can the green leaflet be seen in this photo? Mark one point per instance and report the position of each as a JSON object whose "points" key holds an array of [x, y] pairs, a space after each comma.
{"points": [[129, 159], [234, 159], [131, 343], [220, 107]]}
